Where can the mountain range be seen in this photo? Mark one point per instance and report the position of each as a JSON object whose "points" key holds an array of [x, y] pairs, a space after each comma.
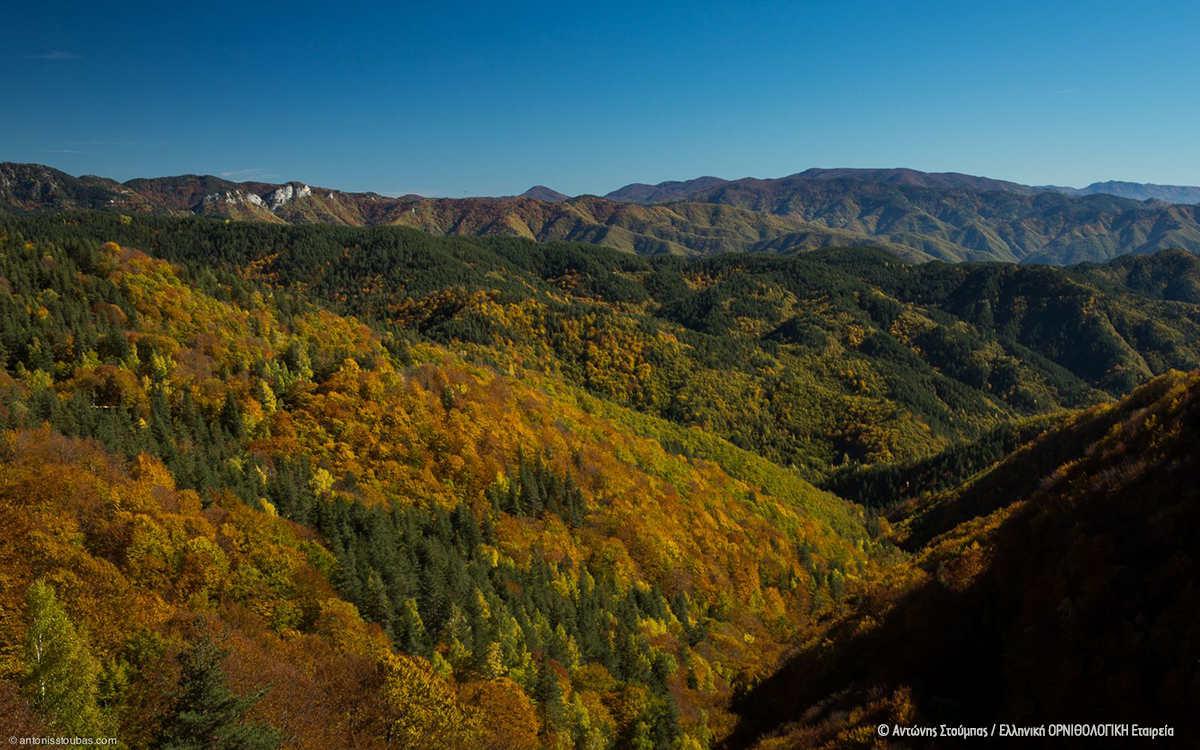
{"points": [[665, 192], [917, 215]]}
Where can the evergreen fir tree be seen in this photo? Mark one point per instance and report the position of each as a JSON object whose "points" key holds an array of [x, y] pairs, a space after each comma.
{"points": [[231, 417], [377, 605], [204, 714], [549, 694], [411, 635]]}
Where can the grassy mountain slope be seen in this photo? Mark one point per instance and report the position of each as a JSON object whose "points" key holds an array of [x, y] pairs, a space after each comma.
{"points": [[958, 224], [680, 229], [1059, 587], [688, 229]]}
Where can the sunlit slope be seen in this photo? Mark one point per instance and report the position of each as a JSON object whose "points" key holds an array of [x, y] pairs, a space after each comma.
{"points": [[823, 360], [492, 524]]}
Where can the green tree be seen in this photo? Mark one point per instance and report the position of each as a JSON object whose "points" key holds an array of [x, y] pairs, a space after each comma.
{"points": [[205, 714], [550, 694], [377, 606], [410, 630], [60, 672], [231, 417]]}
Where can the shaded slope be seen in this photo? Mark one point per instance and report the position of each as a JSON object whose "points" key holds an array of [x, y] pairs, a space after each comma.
{"points": [[1066, 600]]}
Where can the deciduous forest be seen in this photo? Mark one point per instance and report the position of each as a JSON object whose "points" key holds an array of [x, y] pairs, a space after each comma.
{"points": [[275, 486]]}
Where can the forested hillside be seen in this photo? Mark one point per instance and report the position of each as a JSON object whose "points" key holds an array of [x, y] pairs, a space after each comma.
{"points": [[367, 384], [212, 485], [819, 360], [376, 488]]}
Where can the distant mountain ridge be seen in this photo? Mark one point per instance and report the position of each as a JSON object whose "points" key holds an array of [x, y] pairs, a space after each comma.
{"points": [[679, 229], [917, 215], [663, 192], [1139, 191], [959, 217], [689, 189], [675, 190]]}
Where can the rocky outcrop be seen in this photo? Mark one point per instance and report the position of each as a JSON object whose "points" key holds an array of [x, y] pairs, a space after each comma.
{"points": [[289, 192], [233, 197]]}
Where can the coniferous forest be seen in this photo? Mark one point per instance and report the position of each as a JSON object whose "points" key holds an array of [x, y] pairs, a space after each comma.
{"points": [[270, 486]]}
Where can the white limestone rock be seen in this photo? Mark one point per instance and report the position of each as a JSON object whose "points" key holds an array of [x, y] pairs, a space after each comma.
{"points": [[285, 193], [233, 197]]}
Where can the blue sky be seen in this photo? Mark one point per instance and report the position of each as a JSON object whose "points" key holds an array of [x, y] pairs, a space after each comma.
{"points": [[447, 98]]}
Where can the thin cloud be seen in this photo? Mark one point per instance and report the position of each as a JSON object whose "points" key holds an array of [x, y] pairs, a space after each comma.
{"points": [[106, 143], [67, 151], [252, 172], [1066, 91], [54, 55]]}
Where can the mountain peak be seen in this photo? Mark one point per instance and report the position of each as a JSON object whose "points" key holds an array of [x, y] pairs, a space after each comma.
{"points": [[543, 193], [663, 192]]}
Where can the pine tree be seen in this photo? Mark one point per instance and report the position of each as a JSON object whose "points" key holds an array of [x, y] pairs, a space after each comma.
{"points": [[60, 672], [204, 713], [531, 497], [466, 528], [231, 417], [490, 661], [550, 694], [458, 637], [576, 506], [411, 635], [377, 606]]}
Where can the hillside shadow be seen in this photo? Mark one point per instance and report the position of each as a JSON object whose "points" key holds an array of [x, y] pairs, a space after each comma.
{"points": [[1082, 613]]}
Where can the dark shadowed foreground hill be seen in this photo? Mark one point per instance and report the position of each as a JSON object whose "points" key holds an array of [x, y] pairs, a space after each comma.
{"points": [[1057, 587]]}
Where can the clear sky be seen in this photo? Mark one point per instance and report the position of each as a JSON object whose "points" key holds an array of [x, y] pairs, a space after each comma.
{"points": [[449, 98]]}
